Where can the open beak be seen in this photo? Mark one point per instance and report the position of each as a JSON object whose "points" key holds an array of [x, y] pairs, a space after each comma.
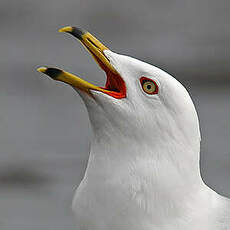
{"points": [[115, 85]]}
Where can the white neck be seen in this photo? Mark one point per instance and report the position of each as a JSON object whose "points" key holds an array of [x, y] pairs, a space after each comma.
{"points": [[155, 175], [155, 172]]}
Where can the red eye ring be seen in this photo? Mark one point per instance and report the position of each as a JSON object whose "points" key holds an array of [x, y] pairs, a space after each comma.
{"points": [[149, 86]]}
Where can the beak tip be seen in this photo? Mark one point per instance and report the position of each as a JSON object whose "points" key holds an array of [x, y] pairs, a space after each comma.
{"points": [[76, 32], [42, 69], [67, 29], [51, 72]]}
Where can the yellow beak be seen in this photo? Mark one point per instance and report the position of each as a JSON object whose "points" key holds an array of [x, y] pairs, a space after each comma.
{"points": [[96, 49], [73, 80]]}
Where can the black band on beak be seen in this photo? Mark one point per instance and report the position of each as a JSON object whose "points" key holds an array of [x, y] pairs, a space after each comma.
{"points": [[51, 72], [77, 32]]}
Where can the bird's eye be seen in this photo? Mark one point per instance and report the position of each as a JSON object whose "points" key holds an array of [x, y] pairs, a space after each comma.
{"points": [[149, 86]]}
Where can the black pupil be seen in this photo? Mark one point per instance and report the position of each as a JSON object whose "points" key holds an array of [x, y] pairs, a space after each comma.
{"points": [[149, 86]]}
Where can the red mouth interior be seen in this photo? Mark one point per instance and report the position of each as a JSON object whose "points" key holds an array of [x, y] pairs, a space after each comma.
{"points": [[115, 85]]}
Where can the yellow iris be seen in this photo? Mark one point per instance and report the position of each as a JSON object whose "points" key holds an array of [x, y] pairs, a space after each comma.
{"points": [[149, 87]]}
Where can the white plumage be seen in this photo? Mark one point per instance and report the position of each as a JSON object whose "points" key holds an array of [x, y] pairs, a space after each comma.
{"points": [[143, 172]]}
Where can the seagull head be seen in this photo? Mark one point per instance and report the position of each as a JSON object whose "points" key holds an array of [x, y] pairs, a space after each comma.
{"points": [[139, 103]]}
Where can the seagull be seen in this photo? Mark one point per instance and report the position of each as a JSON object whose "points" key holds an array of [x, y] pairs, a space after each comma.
{"points": [[143, 171]]}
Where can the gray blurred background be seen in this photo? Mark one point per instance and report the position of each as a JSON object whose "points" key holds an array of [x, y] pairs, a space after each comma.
{"points": [[44, 127]]}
